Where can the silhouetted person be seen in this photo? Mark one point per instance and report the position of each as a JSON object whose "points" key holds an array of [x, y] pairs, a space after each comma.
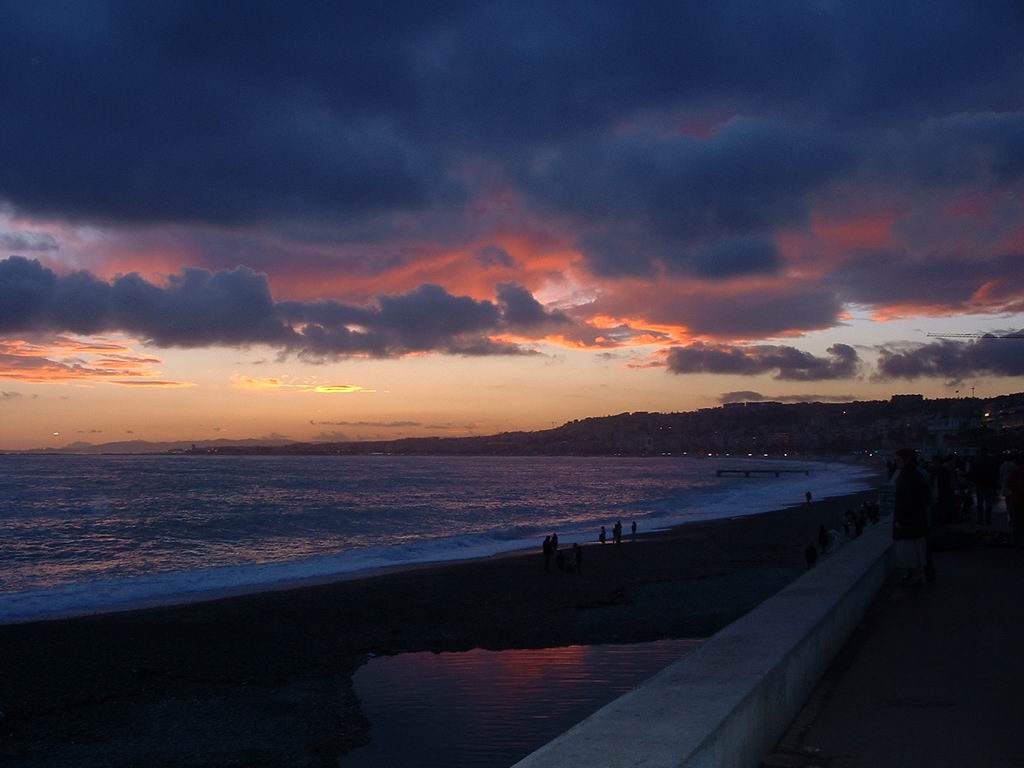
{"points": [[822, 538], [633, 535], [602, 537], [874, 512], [1005, 470], [560, 560], [1015, 500], [617, 531], [810, 555], [808, 497], [985, 476], [945, 499], [910, 517], [554, 542], [578, 550], [547, 553]]}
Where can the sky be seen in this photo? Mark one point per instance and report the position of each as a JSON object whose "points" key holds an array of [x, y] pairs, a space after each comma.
{"points": [[350, 221]]}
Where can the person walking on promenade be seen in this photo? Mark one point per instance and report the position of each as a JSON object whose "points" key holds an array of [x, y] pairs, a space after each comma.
{"points": [[910, 516], [810, 555], [985, 476], [1015, 499], [1005, 469]]}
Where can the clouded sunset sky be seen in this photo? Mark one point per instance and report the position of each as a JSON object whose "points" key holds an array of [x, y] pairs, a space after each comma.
{"points": [[369, 220]]}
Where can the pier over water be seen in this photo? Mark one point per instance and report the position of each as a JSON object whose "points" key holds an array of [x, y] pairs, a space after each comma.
{"points": [[736, 471]]}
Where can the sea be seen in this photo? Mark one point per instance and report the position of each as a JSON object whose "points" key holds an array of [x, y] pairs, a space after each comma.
{"points": [[93, 534]]}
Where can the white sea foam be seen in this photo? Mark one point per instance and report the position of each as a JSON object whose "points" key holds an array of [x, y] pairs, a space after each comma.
{"points": [[722, 499]]}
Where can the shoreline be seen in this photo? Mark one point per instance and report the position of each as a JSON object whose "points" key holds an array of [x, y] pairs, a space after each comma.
{"points": [[183, 597], [265, 678]]}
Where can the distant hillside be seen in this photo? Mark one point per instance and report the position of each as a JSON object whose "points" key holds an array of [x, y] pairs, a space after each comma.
{"points": [[758, 428], [144, 446]]}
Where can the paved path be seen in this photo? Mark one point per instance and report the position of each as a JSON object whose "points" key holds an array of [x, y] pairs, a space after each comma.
{"points": [[933, 677]]}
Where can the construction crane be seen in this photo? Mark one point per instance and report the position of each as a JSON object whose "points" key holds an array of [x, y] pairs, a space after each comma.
{"points": [[975, 336]]}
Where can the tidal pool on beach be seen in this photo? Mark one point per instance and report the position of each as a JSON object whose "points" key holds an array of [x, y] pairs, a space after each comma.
{"points": [[491, 708]]}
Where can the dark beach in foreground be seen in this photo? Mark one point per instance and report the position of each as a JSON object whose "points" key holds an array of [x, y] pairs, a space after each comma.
{"points": [[265, 679]]}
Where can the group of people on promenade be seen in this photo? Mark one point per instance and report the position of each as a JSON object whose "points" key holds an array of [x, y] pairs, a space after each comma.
{"points": [[940, 491], [948, 490], [967, 489], [573, 562]]}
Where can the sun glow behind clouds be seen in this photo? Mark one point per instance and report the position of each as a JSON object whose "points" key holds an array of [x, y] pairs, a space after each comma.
{"points": [[286, 383]]}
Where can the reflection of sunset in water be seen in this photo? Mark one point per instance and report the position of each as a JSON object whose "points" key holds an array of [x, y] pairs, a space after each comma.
{"points": [[490, 708]]}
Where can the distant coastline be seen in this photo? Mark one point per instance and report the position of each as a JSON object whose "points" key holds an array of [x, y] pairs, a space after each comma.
{"points": [[761, 428]]}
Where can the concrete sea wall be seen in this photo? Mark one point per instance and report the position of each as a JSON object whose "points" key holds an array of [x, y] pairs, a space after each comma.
{"points": [[727, 703]]}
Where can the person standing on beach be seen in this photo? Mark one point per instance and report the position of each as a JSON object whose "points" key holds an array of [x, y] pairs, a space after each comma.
{"points": [[554, 542], [578, 551], [602, 537], [808, 497], [547, 553], [617, 532], [633, 537], [910, 516]]}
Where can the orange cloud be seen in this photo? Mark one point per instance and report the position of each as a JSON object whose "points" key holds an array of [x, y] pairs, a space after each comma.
{"points": [[67, 360]]}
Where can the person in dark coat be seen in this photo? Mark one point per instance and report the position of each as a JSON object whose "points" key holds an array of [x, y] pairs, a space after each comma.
{"points": [[984, 474], [1015, 500], [822, 539], [912, 499], [810, 555]]}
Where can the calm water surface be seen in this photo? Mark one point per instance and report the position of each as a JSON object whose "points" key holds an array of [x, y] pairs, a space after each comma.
{"points": [[488, 709]]}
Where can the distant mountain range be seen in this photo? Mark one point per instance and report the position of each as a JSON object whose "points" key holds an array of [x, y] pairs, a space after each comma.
{"points": [[145, 446]]}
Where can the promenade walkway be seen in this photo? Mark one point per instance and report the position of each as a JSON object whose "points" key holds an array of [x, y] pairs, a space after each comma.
{"points": [[933, 677]]}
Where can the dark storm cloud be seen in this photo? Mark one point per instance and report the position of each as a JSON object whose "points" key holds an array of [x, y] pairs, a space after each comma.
{"points": [[657, 137], [747, 315], [208, 110], [954, 360], [200, 308], [522, 311], [646, 199], [939, 280], [214, 112], [787, 363]]}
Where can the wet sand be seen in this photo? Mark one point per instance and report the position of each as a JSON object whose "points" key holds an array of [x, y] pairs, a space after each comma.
{"points": [[265, 679]]}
